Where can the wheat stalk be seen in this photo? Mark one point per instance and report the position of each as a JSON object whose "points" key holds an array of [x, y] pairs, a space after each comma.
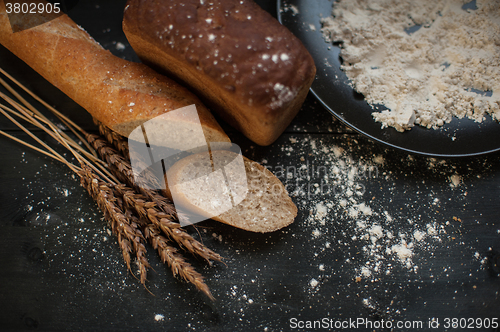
{"points": [[103, 196], [113, 138], [123, 169], [89, 182], [127, 231], [70, 124], [169, 254], [121, 144], [175, 261], [113, 199], [150, 205]]}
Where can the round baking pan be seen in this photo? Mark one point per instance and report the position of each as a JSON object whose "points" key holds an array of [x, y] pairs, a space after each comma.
{"points": [[460, 137]]}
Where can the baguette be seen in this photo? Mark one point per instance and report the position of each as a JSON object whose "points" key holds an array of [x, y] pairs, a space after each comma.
{"points": [[120, 94], [124, 95], [264, 207], [246, 66]]}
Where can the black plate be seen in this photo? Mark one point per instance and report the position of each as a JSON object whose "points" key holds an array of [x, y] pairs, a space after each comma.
{"points": [[460, 137]]}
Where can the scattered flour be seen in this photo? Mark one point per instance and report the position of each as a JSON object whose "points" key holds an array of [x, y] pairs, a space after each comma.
{"points": [[316, 233], [404, 252], [455, 180], [418, 235], [426, 61], [292, 8], [321, 211], [344, 214], [120, 46]]}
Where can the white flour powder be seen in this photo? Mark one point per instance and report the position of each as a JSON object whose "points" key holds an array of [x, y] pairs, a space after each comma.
{"points": [[355, 212], [450, 67]]}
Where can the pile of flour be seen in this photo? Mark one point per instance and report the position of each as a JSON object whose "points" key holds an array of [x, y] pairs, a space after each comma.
{"points": [[450, 67]]}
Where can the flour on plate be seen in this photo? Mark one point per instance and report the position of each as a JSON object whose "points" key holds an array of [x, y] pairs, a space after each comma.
{"points": [[426, 61]]}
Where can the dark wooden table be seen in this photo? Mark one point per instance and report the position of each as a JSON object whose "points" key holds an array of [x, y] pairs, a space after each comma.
{"points": [[381, 236]]}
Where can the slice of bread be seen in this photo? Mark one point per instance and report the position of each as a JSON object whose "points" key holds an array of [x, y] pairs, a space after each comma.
{"points": [[214, 186]]}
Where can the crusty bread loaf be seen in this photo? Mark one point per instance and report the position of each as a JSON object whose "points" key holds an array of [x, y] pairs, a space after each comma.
{"points": [[245, 65], [264, 207], [120, 94]]}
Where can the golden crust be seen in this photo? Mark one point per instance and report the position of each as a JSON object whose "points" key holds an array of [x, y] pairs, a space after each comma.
{"points": [[119, 93]]}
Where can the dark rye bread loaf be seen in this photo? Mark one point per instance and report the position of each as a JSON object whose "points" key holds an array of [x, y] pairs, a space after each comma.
{"points": [[248, 67]]}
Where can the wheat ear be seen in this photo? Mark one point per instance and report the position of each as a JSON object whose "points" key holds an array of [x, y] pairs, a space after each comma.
{"points": [[113, 138], [143, 204], [126, 174], [88, 179], [174, 260], [169, 255], [129, 236]]}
